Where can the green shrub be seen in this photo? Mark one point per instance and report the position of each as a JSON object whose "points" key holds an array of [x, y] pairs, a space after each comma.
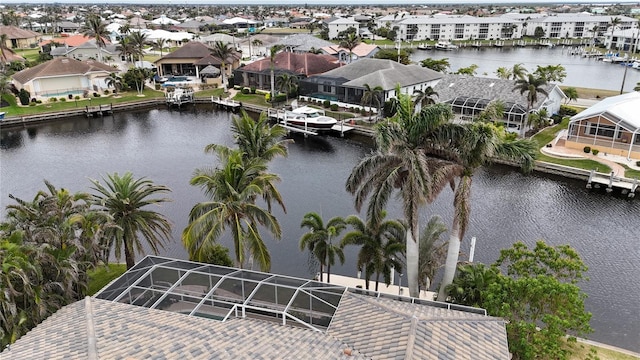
{"points": [[24, 96], [95, 94], [326, 103], [106, 92], [587, 149], [246, 90], [334, 107], [63, 99], [38, 101], [32, 103], [158, 86], [363, 111], [638, 163], [53, 99], [280, 98], [253, 89], [595, 151], [567, 110], [77, 97]]}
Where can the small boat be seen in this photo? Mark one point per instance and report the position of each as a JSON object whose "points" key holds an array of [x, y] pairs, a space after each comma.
{"points": [[445, 45], [425, 47], [636, 65], [2, 113], [307, 118]]}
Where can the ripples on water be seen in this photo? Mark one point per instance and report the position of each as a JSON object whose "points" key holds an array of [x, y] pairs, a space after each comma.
{"points": [[167, 146]]}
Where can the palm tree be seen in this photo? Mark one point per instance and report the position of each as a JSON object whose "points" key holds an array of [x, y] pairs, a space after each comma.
{"points": [[273, 51], [470, 283], [3, 51], [125, 29], [518, 71], [476, 144], [594, 30], [232, 189], [401, 163], [432, 251], [424, 98], [532, 86], [256, 138], [503, 73], [287, 84], [115, 81], [571, 93], [319, 240], [382, 247], [538, 119], [127, 200], [94, 28], [138, 42], [350, 42], [160, 45], [372, 95], [126, 48], [222, 51], [615, 21], [493, 112]]}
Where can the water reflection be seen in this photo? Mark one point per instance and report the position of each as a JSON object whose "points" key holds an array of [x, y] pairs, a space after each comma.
{"points": [[10, 139]]}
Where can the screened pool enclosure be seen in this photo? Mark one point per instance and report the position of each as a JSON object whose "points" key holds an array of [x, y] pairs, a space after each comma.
{"points": [[469, 108], [219, 292]]}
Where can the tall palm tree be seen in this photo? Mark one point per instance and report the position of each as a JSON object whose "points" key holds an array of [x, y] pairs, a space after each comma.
{"points": [[125, 29], [127, 201], [371, 96], [232, 189], [138, 42], [432, 251], [381, 249], [273, 51], [350, 42], [115, 81], [400, 163], [518, 71], [319, 240], [424, 97], [287, 84], [476, 144], [594, 30], [531, 86], [222, 51], [257, 138], [126, 48], [160, 45], [615, 21], [571, 93], [4, 50], [94, 28]]}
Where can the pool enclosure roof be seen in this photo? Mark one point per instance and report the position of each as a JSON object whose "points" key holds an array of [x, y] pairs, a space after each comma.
{"points": [[219, 292]]}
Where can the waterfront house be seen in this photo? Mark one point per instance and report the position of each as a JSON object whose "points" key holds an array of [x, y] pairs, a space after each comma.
{"points": [[302, 65], [171, 309], [469, 95], [86, 50], [302, 43], [192, 57], [362, 50], [611, 126], [18, 38], [346, 84], [62, 77]]}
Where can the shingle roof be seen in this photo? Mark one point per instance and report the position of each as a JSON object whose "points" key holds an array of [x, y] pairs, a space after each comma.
{"points": [[303, 42], [303, 63], [360, 50], [384, 73], [62, 67], [192, 49], [452, 86], [14, 32], [622, 108]]}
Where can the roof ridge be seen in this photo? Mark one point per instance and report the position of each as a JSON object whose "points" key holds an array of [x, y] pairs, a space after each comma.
{"points": [[92, 348], [411, 337]]}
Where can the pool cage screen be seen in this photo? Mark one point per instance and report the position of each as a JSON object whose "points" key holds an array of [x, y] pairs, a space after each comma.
{"points": [[469, 108]]}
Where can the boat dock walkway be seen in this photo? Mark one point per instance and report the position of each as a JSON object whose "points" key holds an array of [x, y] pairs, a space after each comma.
{"points": [[628, 186], [99, 110], [226, 103], [382, 287]]}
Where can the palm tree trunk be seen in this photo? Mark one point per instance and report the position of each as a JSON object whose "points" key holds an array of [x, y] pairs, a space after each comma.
{"points": [[412, 263], [128, 256], [321, 271], [224, 85], [452, 261], [273, 85], [328, 271], [377, 280]]}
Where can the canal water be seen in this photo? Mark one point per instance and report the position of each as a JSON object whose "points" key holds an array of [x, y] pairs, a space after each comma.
{"points": [[167, 146], [581, 72]]}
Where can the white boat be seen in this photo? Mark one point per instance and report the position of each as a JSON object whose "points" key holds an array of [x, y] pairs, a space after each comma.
{"points": [[2, 113], [636, 65], [425, 47], [445, 45], [304, 117]]}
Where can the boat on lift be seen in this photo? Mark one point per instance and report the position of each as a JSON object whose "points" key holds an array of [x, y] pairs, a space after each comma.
{"points": [[304, 117], [445, 45]]}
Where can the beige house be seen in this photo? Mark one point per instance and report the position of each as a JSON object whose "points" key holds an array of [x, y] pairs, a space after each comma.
{"points": [[611, 126], [63, 77], [19, 38]]}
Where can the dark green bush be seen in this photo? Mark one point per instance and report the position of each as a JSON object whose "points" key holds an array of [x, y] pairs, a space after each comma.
{"points": [[253, 89], [638, 163], [24, 96], [53, 99], [63, 99], [245, 90], [587, 149], [326, 103], [95, 94], [38, 101], [334, 107], [567, 110], [595, 151]]}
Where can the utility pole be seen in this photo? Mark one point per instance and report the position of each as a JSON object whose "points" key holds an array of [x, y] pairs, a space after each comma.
{"points": [[634, 40]]}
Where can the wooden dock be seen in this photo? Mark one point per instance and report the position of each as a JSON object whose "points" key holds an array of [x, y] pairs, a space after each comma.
{"points": [[99, 110], [226, 104], [627, 186]]}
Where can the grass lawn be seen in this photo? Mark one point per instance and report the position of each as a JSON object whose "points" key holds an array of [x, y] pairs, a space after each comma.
{"points": [[209, 92], [29, 54], [255, 99], [631, 173], [581, 351], [101, 276], [587, 93], [15, 110]]}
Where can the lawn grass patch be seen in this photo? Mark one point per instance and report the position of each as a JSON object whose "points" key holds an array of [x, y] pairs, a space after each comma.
{"points": [[630, 173], [209, 92], [255, 99], [588, 93], [586, 164], [581, 351], [29, 54], [102, 275], [547, 135]]}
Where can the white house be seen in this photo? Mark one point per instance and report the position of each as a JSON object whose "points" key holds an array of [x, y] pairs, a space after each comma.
{"points": [[336, 26]]}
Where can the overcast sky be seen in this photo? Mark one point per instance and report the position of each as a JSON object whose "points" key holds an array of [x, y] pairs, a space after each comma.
{"points": [[300, 2]]}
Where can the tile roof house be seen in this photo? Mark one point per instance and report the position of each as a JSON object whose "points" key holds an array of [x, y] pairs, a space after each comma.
{"points": [[192, 57], [611, 126], [63, 76], [469, 95], [346, 84], [302, 65], [362, 50], [18, 38], [169, 309]]}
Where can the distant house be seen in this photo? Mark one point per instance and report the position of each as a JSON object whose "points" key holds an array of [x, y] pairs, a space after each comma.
{"points": [[611, 126], [347, 83], [338, 25], [302, 43], [18, 38], [173, 309], [67, 27], [469, 95], [361, 51], [86, 50], [63, 76], [193, 57], [258, 73]]}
